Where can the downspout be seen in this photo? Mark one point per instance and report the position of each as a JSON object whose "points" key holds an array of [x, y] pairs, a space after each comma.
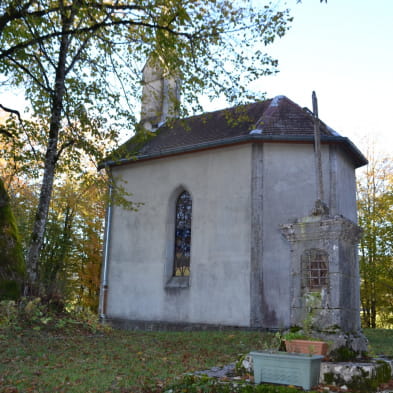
{"points": [[105, 262]]}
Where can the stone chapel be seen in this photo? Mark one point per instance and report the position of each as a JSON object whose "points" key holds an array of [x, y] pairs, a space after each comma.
{"points": [[230, 232]]}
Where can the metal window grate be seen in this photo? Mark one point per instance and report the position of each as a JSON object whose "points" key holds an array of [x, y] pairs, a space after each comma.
{"points": [[315, 269], [181, 265]]}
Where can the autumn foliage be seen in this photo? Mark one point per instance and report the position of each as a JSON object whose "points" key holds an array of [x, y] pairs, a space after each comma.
{"points": [[375, 210]]}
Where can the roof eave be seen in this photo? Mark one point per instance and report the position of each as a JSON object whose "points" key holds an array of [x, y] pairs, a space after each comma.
{"points": [[358, 157]]}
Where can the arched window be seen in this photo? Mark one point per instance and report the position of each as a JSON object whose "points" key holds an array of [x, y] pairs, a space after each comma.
{"points": [[181, 263], [315, 270]]}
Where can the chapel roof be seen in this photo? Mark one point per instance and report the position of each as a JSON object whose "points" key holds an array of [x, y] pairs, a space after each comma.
{"points": [[272, 120]]}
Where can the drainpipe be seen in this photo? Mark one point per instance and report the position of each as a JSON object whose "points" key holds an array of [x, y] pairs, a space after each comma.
{"points": [[105, 262]]}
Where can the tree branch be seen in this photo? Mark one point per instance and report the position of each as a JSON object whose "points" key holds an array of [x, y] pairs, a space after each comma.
{"points": [[13, 111], [64, 146], [5, 132], [12, 13], [28, 72], [95, 27], [34, 33]]}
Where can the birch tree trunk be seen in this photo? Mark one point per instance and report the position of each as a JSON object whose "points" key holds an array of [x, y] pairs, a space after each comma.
{"points": [[37, 238]]}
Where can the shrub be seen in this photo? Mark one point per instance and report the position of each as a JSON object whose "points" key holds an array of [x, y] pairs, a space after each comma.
{"points": [[33, 313]]}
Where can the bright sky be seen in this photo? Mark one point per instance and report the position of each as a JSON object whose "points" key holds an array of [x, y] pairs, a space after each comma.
{"points": [[344, 51]]}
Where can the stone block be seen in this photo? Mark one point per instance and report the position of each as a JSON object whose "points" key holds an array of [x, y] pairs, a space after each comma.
{"points": [[335, 237], [355, 375]]}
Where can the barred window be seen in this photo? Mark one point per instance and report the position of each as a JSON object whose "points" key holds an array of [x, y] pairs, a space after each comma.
{"points": [[315, 269], [181, 265]]}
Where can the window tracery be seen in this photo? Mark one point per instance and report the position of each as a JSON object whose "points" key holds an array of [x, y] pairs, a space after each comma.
{"points": [[181, 263]]}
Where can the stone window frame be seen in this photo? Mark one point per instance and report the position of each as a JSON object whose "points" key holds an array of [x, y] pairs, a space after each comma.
{"points": [[314, 264]]}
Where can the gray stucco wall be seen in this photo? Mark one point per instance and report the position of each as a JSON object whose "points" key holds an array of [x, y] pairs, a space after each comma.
{"points": [[240, 262], [346, 187], [141, 248], [289, 192]]}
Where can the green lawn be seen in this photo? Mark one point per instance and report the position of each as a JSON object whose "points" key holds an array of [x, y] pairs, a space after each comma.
{"points": [[123, 361], [114, 361], [380, 341]]}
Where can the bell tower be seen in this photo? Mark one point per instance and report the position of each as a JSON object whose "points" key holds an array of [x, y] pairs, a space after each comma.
{"points": [[160, 94]]}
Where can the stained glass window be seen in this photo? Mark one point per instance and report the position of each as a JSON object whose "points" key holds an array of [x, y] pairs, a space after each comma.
{"points": [[181, 265], [315, 269]]}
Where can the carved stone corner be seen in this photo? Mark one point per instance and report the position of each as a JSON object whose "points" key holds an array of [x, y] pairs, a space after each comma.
{"points": [[320, 209], [350, 231], [288, 231]]}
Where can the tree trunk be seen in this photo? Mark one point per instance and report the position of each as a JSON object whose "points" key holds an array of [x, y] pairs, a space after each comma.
{"points": [[41, 218], [12, 267], [374, 312]]}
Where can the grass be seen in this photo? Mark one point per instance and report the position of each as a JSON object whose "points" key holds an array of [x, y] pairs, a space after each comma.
{"points": [[380, 341], [123, 361], [119, 361]]}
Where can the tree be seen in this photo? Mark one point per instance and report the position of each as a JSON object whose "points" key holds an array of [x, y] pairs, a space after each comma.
{"points": [[80, 61], [375, 201], [12, 266], [71, 255], [72, 251], [70, 260]]}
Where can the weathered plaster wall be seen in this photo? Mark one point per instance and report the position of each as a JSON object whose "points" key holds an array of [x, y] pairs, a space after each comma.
{"points": [[288, 183], [152, 93], [346, 191], [345, 204], [160, 95], [346, 187], [141, 248], [288, 192], [240, 261]]}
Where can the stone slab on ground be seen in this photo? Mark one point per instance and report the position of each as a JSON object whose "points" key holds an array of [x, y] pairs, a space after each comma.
{"points": [[352, 373], [334, 377], [219, 372]]}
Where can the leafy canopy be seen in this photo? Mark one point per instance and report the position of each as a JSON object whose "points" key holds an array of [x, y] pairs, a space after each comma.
{"points": [[79, 64], [216, 45], [375, 208]]}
